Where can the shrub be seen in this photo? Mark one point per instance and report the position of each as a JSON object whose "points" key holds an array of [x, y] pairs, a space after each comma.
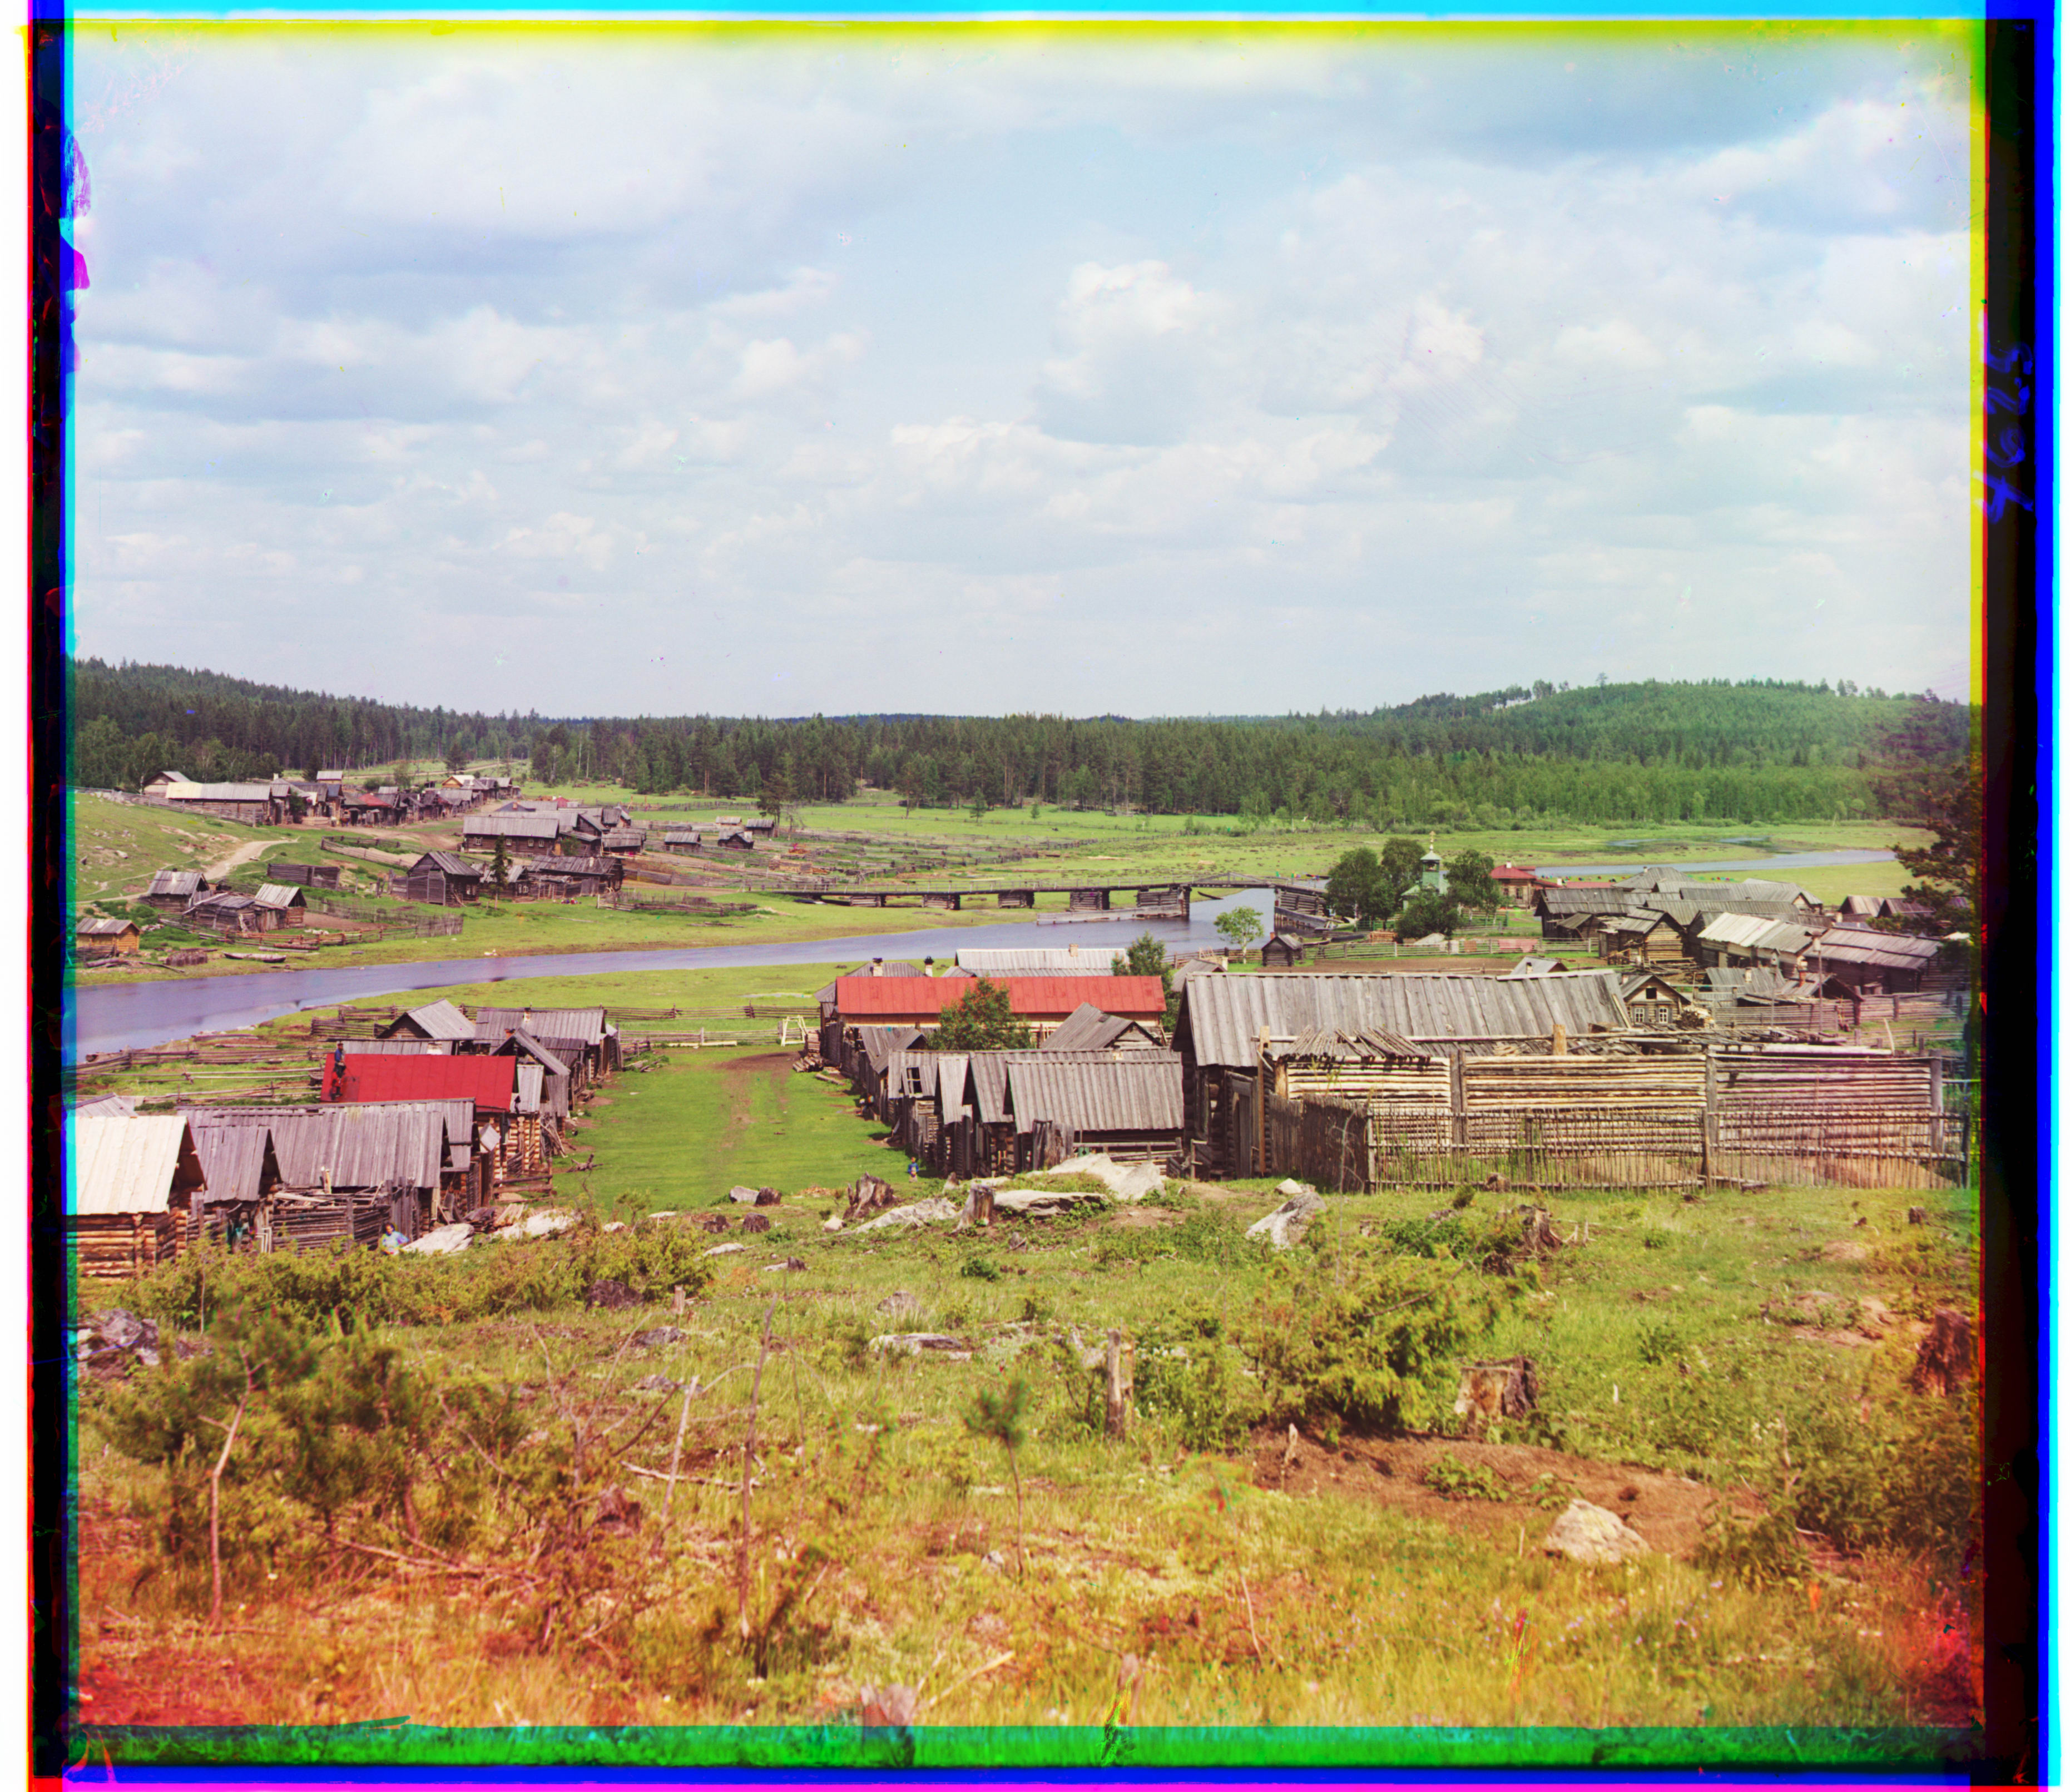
{"points": [[1454, 1479], [1187, 1379], [979, 1269], [349, 1288], [1368, 1343]]}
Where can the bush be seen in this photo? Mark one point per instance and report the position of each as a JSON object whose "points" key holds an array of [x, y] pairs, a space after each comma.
{"points": [[1452, 1480], [1188, 1379], [979, 1269], [1365, 1342], [349, 1288]]}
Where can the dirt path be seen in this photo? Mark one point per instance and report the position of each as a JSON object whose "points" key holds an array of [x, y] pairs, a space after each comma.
{"points": [[223, 866], [1667, 1510]]}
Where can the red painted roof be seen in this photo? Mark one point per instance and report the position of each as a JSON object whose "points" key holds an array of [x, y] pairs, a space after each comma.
{"points": [[1033, 998], [488, 1082]]}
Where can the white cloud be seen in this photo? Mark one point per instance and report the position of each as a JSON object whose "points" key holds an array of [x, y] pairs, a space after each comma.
{"points": [[898, 331]]}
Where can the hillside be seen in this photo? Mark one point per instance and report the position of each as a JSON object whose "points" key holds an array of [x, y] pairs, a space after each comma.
{"points": [[1756, 752]]}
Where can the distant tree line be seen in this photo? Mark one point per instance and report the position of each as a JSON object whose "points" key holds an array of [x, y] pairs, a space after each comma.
{"points": [[1759, 752]]}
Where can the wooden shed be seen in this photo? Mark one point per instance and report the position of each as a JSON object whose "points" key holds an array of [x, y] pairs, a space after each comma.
{"points": [[444, 879], [129, 1192], [253, 803], [171, 891], [290, 907], [1278, 952], [100, 938]]}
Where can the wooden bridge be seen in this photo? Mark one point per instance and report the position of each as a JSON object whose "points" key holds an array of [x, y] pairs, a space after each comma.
{"points": [[1297, 903]]}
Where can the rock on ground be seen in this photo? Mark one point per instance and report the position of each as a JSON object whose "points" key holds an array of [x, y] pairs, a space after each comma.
{"points": [[1587, 1533], [724, 1251], [657, 1336], [1285, 1226], [742, 1194], [920, 1343], [608, 1291], [899, 1304], [539, 1224], [443, 1240], [1044, 1203], [1126, 1182], [920, 1212]]}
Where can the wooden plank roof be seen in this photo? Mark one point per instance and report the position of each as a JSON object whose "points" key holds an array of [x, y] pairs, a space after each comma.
{"points": [[176, 883], [363, 1145], [1133, 1092], [1140, 998], [543, 1023], [128, 1163], [1220, 1018], [1038, 961], [239, 1162]]}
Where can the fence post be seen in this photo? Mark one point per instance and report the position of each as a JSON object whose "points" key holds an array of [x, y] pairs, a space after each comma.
{"points": [[1710, 1120], [1459, 1073]]}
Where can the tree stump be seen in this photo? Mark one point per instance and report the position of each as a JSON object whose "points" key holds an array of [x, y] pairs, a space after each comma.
{"points": [[1947, 1354], [1120, 1383]]}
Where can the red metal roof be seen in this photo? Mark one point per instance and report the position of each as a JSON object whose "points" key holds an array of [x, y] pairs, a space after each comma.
{"points": [[1033, 998], [488, 1082]]}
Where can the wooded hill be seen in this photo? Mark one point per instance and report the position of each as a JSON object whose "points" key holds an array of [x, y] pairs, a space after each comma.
{"points": [[1762, 751]]}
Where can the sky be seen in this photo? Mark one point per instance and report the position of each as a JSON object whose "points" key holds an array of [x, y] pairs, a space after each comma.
{"points": [[1177, 370]]}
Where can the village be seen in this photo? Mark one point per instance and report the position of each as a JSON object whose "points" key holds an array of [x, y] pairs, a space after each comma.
{"points": [[935, 1167]]}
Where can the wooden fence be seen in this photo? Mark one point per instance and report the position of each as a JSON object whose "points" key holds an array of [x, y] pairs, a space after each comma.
{"points": [[1858, 1120], [372, 915]]}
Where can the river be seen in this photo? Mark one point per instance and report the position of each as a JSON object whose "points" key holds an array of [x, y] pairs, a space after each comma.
{"points": [[121, 1017]]}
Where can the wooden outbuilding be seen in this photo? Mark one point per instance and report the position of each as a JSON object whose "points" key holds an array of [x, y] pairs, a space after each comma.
{"points": [[129, 1189], [100, 938], [444, 879], [1279, 952], [171, 891], [255, 804]]}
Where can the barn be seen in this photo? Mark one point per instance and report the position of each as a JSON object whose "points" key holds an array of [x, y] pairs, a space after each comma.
{"points": [[171, 891], [130, 1188], [444, 879], [96, 937]]}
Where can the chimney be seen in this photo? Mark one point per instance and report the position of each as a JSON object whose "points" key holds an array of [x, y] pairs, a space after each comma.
{"points": [[928, 966], [877, 968]]}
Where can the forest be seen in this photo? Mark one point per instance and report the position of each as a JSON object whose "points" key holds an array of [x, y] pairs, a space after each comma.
{"points": [[1760, 751]]}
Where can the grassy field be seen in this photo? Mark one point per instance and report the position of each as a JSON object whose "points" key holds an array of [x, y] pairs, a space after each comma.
{"points": [[1729, 1351]]}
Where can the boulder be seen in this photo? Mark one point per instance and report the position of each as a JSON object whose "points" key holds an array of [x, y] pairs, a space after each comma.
{"points": [[725, 1250], [1587, 1533], [899, 1304], [1126, 1182], [1043, 1204], [114, 1342], [656, 1336], [1284, 1227], [554, 1219], [920, 1212], [833, 1223], [920, 1344], [767, 1197], [441, 1241], [607, 1291], [745, 1196], [888, 1708], [1290, 1188], [756, 1222], [788, 1263], [714, 1222]]}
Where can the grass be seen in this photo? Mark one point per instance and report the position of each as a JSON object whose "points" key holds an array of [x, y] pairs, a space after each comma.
{"points": [[682, 1133], [1089, 843], [1250, 1604]]}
